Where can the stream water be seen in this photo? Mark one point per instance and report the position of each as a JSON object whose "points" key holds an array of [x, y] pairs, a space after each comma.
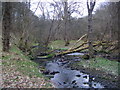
{"points": [[63, 77]]}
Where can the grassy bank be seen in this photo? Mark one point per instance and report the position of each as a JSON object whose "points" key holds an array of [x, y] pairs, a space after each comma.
{"points": [[100, 64], [21, 68]]}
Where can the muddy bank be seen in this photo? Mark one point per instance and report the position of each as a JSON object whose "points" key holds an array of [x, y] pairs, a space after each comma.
{"points": [[109, 80]]}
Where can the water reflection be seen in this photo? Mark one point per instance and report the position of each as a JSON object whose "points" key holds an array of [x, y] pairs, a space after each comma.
{"points": [[67, 78], [76, 53]]}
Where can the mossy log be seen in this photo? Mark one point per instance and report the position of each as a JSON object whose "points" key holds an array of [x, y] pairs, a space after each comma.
{"points": [[47, 56], [81, 47], [77, 49], [78, 42], [69, 51]]}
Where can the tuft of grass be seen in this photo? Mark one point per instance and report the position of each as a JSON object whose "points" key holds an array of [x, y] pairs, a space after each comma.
{"points": [[101, 64]]}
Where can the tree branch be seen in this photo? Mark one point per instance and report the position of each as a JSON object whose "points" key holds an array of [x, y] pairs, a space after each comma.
{"points": [[88, 6]]}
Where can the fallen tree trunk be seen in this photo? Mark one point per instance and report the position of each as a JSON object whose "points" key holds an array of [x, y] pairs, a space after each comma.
{"points": [[77, 49], [78, 46], [69, 51], [77, 42], [82, 47]]}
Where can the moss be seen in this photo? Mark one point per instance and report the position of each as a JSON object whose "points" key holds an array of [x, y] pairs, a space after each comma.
{"points": [[47, 56], [51, 55], [63, 48]]}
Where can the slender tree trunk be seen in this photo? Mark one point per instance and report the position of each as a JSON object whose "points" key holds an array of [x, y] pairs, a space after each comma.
{"points": [[90, 6], [66, 23], [90, 37], [6, 25], [119, 30]]}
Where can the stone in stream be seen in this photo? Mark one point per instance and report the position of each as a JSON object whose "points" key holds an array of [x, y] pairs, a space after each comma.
{"points": [[64, 82], [75, 86], [74, 82], [45, 72], [85, 77], [97, 85], [78, 75], [53, 73]]}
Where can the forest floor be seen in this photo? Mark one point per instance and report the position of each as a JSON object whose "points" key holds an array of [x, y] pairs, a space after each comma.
{"points": [[20, 72]]}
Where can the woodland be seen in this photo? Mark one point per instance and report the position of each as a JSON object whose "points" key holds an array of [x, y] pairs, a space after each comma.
{"points": [[29, 40]]}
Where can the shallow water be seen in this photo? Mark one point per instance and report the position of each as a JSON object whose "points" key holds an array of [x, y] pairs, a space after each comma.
{"points": [[76, 53]]}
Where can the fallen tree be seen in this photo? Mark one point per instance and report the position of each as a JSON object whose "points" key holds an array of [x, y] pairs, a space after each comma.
{"points": [[84, 36], [97, 45]]}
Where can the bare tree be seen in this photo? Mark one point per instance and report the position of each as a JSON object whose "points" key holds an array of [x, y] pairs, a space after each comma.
{"points": [[66, 16], [6, 25], [90, 7]]}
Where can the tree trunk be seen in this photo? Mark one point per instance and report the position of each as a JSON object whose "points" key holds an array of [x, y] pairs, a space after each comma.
{"points": [[90, 39], [119, 30], [90, 6], [66, 23], [6, 25]]}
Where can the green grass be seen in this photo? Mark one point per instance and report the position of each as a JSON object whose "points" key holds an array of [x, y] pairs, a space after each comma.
{"points": [[60, 44], [19, 52], [101, 64], [15, 61], [21, 63]]}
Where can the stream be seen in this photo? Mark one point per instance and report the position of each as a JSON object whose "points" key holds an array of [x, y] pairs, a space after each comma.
{"points": [[64, 77]]}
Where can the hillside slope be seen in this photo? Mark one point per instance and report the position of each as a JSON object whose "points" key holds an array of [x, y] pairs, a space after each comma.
{"points": [[20, 72]]}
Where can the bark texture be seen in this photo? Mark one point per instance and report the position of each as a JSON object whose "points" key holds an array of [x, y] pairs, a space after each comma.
{"points": [[90, 7], [6, 25]]}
